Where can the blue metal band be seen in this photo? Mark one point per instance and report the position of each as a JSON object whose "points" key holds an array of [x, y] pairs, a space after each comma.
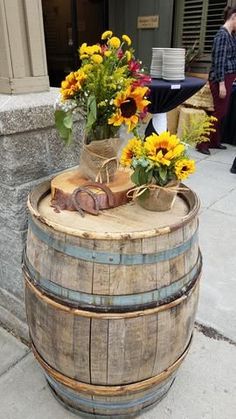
{"points": [[154, 393], [85, 299], [90, 255]]}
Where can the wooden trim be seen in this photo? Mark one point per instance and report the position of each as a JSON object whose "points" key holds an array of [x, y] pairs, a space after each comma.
{"points": [[5, 61], [5, 85], [30, 84], [35, 33], [108, 316], [24, 84], [17, 38], [99, 390]]}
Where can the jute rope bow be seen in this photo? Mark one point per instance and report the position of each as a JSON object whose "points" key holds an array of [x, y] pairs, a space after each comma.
{"points": [[105, 166], [139, 190]]}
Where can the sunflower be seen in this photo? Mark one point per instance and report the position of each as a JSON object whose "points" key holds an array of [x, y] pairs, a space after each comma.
{"points": [[133, 149], [184, 168], [129, 104], [72, 84], [163, 148]]}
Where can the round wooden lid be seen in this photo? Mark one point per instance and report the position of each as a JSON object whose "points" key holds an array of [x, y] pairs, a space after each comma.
{"points": [[129, 220]]}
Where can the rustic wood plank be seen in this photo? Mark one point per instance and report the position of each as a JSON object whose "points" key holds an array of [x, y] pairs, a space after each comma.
{"points": [[133, 349], [116, 352], [149, 347], [98, 351], [81, 349]]}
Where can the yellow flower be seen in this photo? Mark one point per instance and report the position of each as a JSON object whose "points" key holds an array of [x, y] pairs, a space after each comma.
{"points": [[114, 42], [132, 149], [72, 84], [107, 53], [106, 34], [184, 168], [163, 148], [84, 56], [80, 76], [126, 39], [97, 59], [87, 68], [128, 55], [129, 103], [83, 48]]}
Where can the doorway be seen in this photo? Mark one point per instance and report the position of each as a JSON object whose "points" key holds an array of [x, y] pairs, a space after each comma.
{"points": [[67, 24]]}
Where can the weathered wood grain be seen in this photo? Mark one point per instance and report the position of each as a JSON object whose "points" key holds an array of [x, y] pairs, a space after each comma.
{"points": [[111, 301]]}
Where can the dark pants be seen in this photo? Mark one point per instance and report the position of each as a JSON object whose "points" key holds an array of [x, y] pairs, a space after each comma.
{"points": [[221, 108]]}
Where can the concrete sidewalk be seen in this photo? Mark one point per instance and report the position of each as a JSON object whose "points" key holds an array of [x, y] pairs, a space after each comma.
{"points": [[205, 387]]}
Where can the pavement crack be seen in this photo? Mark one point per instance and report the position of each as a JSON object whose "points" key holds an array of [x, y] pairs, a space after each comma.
{"points": [[212, 333], [15, 363]]}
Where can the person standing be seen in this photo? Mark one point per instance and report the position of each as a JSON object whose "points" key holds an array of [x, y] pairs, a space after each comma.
{"points": [[221, 76]]}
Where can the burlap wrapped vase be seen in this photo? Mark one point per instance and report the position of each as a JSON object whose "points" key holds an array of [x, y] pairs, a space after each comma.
{"points": [[158, 198], [99, 161]]}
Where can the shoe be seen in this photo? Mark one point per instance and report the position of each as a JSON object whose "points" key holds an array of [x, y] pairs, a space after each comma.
{"points": [[204, 151], [233, 167], [221, 147]]}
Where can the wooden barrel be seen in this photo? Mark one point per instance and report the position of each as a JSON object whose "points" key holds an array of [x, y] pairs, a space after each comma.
{"points": [[111, 301]]}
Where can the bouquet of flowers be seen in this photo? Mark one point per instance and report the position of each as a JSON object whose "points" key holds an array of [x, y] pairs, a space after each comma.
{"points": [[161, 162], [158, 160], [108, 89]]}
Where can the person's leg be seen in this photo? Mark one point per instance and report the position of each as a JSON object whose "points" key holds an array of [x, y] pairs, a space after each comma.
{"points": [[221, 108], [233, 168]]}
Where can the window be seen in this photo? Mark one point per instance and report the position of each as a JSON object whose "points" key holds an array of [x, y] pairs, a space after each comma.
{"points": [[198, 21]]}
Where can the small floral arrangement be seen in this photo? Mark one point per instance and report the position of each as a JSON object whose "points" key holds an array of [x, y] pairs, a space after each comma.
{"points": [[157, 160], [109, 89]]}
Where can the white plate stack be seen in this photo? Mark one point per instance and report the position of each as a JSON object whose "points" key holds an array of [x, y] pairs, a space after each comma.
{"points": [[173, 64], [156, 63]]}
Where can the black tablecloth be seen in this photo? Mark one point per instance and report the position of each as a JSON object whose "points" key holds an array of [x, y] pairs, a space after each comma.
{"points": [[229, 126], [165, 95]]}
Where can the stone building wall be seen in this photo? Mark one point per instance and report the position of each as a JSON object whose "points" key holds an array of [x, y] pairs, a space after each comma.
{"points": [[30, 152]]}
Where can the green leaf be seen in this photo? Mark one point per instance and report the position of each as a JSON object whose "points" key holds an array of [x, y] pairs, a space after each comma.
{"points": [[68, 122], [135, 176], [64, 124], [143, 176], [140, 176], [91, 112], [163, 173]]}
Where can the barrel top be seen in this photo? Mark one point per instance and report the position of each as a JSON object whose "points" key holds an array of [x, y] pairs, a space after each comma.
{"points": [[127, 221]]}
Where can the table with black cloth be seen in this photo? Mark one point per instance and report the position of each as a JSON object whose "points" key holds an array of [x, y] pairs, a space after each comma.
{"points": [[167, 95], [229, 125]]}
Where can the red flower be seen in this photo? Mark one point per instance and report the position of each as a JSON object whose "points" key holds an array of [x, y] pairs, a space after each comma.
{"points": [[141, 79], [120, 53], [104, 48], [134, 66]]}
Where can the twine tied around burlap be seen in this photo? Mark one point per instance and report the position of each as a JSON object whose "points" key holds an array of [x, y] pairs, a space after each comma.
{"points": [[99, 161], [160, 198]]}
